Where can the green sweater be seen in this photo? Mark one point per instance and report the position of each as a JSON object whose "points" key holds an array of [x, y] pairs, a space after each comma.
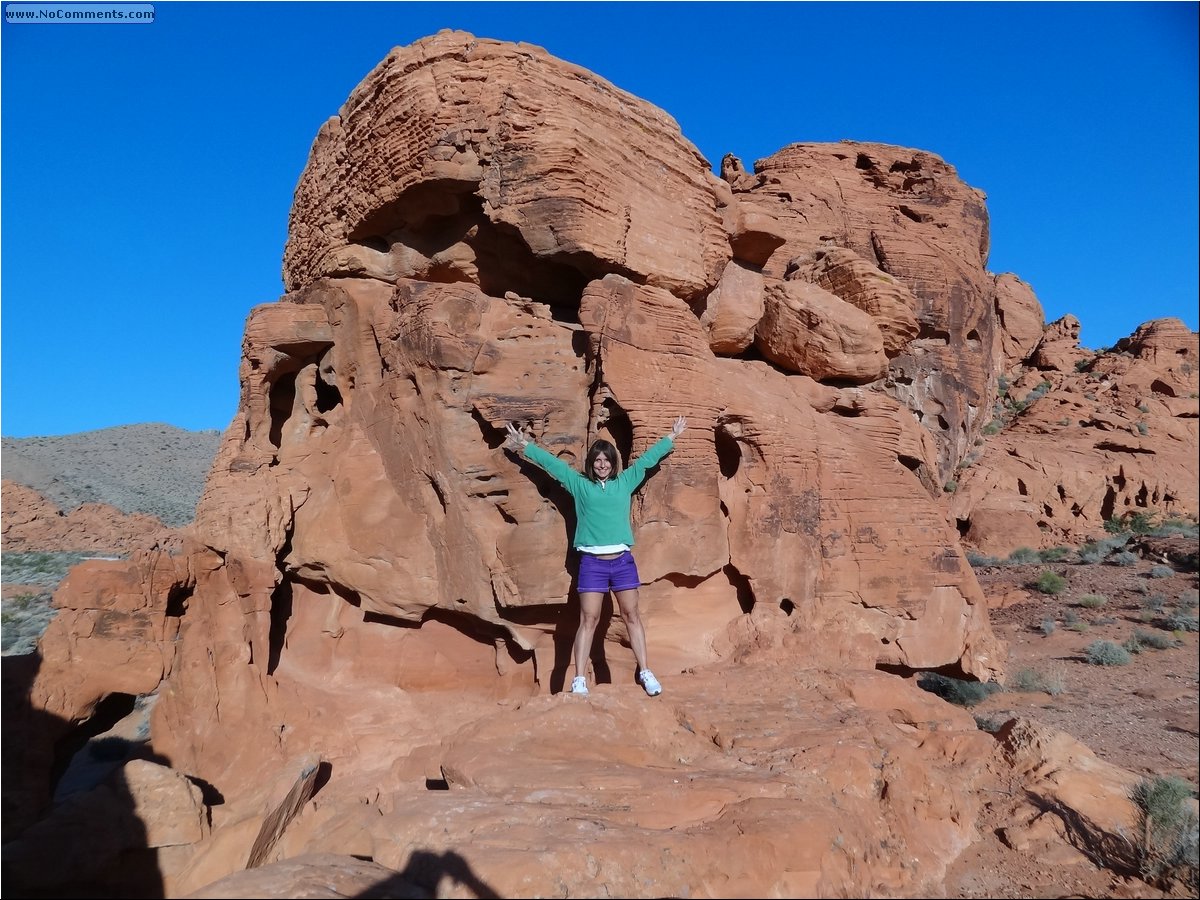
{"points": [[601, 509]]}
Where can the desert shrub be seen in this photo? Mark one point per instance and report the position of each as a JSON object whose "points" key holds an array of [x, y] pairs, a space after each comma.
{"points": [[1153, 639], [1182, 622], [1124, 558], [1094, 551], [1047, 626], [993, 427], [38, 567], [1002, 384], [1079, 626], [955, 690], [977, 560], [1092, 601], [1169, 850], [1143, 408], [1106, 653], [1175, 525], [1188, 599], [1132, 645], [1082, 365], [1104, 620], [23, 620], [1142, 588], [1031, 680], [1022, 556], [1162, 572], [1070, 617], [1143, 428], [950, 486], [1155, 603], [1054, 554], [990, 724], [1051, 583], [1140, 522]]}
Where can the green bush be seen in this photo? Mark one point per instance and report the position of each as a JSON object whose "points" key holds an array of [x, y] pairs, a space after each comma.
{"points": [[1153, 639], [950, 486], [1023, 556], [1092, 601], [1054, 554], [1169, 849], [1106, 653], [1155, 603], [1031, 681], [956, 691], [1051, 583], [990, 724], [39, 567], [993, 427], [1141, 522], [1162, 572], [1183, 622]]}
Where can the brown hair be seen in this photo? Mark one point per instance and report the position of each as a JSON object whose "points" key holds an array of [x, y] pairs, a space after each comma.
{"points": [[598, 448]]}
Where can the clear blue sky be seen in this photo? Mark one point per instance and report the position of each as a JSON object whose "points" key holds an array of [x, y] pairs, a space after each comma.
{"points": [[148, 170]]}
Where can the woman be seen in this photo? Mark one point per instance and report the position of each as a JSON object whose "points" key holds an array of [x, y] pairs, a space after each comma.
{"points": [[604, 539]]}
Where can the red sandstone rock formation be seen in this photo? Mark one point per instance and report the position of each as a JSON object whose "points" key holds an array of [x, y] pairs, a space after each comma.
{"points": [[1086, 438], [31, 522], [485, 234]]}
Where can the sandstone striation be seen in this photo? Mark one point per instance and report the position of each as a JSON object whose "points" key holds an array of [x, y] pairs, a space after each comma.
{"points": [[360, 649]]}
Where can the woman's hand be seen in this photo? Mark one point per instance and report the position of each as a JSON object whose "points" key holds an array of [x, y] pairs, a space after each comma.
{"points": [[515, 440], [677, 428]]}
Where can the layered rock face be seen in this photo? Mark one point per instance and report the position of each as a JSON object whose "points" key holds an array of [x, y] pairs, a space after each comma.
{"points": [[484, 235]]}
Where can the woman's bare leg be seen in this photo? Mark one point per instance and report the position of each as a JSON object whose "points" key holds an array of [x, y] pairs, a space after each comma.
{"points": [[628, 603], [590, 604]]}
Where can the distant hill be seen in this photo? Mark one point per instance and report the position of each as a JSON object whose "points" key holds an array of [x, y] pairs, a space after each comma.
{"points": [[148, 468]]}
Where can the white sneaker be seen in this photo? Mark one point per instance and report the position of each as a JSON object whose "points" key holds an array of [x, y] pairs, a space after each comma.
{"points": [[579, 685], [649, 682]]}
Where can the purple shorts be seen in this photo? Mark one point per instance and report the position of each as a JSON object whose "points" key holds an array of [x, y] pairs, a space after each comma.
{"points": [[599, 576]]}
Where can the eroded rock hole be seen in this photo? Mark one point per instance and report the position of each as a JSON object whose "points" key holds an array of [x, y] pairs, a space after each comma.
{"points": [[493, 436], [282, 400], [328, 395], [729, 452], [741, 584], [930, 332], [439, 232], [177, 599], [1109, 504], [107, 713], [281, 611], [619, 429]]}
